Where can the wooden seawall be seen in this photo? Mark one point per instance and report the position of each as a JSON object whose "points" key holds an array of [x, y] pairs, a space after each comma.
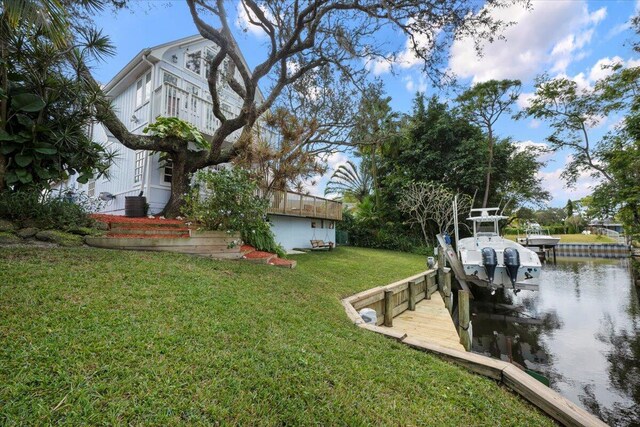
{"points": [[416, 312]]}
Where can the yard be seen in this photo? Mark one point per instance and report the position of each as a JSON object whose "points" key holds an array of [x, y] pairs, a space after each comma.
{"points": [[91, 336]]}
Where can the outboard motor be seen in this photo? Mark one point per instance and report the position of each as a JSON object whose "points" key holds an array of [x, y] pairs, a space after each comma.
{"points": [[490, 262], [512, 264]]}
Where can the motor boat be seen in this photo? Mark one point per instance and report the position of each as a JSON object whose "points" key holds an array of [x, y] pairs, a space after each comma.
{"points": [[537, 236], [489, 260]]}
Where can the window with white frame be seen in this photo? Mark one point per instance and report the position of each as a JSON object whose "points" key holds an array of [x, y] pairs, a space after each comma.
{"points": [[139, 166], [91, 188], [143, 89], [208, 58], [168, 171], [169, 78], [193, 61]]}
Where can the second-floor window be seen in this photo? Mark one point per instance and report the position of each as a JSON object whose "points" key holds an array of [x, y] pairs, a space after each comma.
{"points": [[143, 89], [193, 61]]}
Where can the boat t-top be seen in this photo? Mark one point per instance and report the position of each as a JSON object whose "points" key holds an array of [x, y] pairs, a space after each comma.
{"points": [[537, 236], [492, 261]]}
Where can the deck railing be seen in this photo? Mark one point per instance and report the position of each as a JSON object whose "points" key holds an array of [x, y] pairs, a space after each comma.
{"points": [[297, 204], [175, 102]]}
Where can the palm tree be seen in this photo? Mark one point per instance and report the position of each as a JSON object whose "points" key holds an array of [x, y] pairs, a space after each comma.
{"points": [[351, 180]]}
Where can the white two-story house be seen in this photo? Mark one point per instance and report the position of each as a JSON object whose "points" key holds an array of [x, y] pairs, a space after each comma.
{"points": [[170, 80]]}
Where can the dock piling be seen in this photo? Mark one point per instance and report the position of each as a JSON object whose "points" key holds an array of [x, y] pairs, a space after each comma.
{"points": [[464, 320], [388, 308]]}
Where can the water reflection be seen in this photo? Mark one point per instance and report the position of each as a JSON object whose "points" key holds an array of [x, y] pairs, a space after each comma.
{"points": [[581, 330]]}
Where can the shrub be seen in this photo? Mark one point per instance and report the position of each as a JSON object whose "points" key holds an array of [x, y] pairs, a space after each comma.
{"points": [[227, 200], [35, 209], [367, 234]]}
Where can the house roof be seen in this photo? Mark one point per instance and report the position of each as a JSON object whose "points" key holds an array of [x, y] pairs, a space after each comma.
{"points": [[154, 55]]}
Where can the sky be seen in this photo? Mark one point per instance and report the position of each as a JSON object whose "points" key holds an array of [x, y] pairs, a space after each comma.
{"points": [[570, 38]]}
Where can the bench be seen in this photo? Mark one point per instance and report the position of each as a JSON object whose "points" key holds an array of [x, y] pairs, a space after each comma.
{"points": [[320, 245]]}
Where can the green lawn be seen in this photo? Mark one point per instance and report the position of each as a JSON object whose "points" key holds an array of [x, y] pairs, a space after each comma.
{"points": [[575, 238], [92, 336]]}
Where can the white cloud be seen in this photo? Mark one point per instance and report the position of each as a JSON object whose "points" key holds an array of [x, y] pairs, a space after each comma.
{"points": [[413, 85], [560, 193], [600, 70], [544, 153], [377, 66], [620, 28], [534, 124], [335, 160], [551, 35], [524, 99], [598, 15], [242, 20]]}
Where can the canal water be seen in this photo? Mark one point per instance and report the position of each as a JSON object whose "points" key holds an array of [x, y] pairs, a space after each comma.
{"points": [[581, 330]]}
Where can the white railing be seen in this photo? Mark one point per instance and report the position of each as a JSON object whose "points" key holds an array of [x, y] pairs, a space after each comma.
{"points": [[176, 102], [296, 204], [611, 233]]}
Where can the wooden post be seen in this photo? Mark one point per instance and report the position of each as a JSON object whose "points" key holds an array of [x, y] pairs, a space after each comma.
{"points": [[464, 319], [447, 292], [429, 280], [284, 207], [412, 295], [441, 266], [388, 308]]}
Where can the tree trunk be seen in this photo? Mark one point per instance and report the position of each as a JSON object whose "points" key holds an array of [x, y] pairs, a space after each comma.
{"points": [[488, 179], [180, 186]]}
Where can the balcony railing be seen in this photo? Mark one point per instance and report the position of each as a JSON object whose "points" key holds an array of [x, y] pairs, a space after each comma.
{"points": [[296, 204], [171, 101]]}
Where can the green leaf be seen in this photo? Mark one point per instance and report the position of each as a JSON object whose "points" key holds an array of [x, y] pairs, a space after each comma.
{"points": [[6, 148], [11, 177], [84, 178], [23, 159], [46, 150], [25, 120], [5, 136], [24, 176], [28, 102]]}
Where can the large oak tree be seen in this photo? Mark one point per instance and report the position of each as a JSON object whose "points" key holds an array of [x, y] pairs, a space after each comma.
{"points": [[338, 37]]}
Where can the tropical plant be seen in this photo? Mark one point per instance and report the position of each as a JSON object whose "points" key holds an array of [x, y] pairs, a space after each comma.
{"points": [[227, 200], [351, 180], [47, 109], [61, 211]]}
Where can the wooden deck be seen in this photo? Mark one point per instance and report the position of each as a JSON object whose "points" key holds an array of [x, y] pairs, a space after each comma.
{"points": [[430, 322]]}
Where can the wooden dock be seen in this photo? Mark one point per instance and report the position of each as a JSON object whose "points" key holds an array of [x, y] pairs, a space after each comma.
{"points": [[416, 311], [430, 322]]}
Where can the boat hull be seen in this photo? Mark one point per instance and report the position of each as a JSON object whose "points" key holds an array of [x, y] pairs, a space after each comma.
{"points": [[471, 259]]}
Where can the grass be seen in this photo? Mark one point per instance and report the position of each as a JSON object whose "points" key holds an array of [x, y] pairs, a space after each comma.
{"points": [[91, 336], [575, 238]]}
